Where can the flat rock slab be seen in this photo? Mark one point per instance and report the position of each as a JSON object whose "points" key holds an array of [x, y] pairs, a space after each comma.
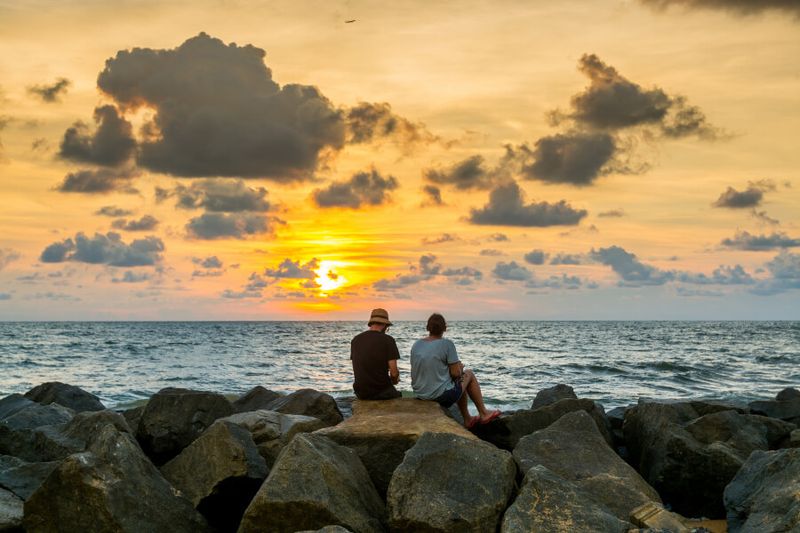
{"points": [[381, 432], [21, 477]]}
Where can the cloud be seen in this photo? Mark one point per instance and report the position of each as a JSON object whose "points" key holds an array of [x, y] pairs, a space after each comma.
{"points": [[108, 249], [112, 143], [750, 197], [433, 194], [218, 195], [209, 226], [511, 272], [441, 239], [498, 237], [146, 223], [53, 92], [491, 252], [561, 282], [724, 275], [113, 211], [7, 255], [613, 213], [363, 188], [132, 277], [471, 173], [743, 240], [506, 207], [427, 269], [211, 261], [218, 112], [633, 272], [738, 7], [536, 257], [289, 269], [5, 296], [100, 181], [784, 270], [252, 289], [371, 122], [576, 158], [567, 259]]}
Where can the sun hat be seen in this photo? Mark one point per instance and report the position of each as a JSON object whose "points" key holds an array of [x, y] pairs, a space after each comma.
{"points": [[379, 316]]}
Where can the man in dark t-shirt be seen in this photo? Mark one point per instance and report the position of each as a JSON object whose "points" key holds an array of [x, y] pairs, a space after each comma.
{"points": [[374, 355]]}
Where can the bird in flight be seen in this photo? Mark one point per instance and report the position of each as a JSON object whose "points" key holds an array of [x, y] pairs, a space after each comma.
{"points": [[349, 21]]}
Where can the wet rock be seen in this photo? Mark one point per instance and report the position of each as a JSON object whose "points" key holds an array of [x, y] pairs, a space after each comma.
{"points": [[547, 503], [70, 396], [174, 418], [256, 398], [448, 483], [110, 487], [21, 477], [574, 449], [11, 512], [788, 394], [25, 426], [763, 497], [219, 473], [308, 402], [552, 395], [505, 432], [315, 483], [382, 431], [272, 431]]}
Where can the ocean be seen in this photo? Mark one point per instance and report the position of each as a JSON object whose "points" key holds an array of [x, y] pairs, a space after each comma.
{"points": [[614, 363]]}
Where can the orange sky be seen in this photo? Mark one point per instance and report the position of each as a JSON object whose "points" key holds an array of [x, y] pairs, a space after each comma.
{"points": [[487, 160]]}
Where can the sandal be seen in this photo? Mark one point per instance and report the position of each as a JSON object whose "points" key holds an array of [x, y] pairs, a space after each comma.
{"points": [[492, 416]]}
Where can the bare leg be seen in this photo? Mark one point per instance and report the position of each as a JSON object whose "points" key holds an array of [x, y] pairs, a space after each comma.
{"points": [[473, 389], [462, 406]]}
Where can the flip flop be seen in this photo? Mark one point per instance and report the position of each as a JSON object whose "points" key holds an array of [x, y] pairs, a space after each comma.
{"points": [[472, 422], [492, 416]]}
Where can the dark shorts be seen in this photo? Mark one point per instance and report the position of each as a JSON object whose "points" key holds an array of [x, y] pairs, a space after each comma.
{"points": [[387, 394], [449, 397]]}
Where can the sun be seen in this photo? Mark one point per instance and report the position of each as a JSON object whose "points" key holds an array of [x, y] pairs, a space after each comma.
{"points": [[327, 277]]}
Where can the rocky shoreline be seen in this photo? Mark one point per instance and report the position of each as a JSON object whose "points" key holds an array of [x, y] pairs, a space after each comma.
{"points": [[198, 461]]}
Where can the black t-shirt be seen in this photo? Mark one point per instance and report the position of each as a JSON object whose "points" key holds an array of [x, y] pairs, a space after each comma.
{"points": [[371, 352]]}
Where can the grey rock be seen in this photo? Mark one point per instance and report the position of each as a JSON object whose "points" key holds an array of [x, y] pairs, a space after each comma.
{"points": [[574, 449], [11, 512], [174, 418], [219, 473], [328, 529], [315, 483], [449, 483], [547, 503], [26, 426], [763, 497], [134, 416], [787, 394], [787, 410], [616, 417], [21, 477], [552, 395], [505, 431], [794, 438], [272, 431], [111, 487], [309, 402], [256, 398], [13, 403], [70, 396]]}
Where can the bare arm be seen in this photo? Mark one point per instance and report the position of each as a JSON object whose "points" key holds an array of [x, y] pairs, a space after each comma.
{"points": [[456, 370], [394, 373]]}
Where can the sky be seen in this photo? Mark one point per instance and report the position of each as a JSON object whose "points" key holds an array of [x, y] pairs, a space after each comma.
{"points": [[312, 160]]}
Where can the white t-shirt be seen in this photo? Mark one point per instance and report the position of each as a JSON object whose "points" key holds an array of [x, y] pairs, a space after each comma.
{"points": [[430, 371]]}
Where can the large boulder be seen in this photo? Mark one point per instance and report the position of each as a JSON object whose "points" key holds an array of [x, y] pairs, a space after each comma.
{"points": [[256, 398], [789, 393], [21, 423], [448, 483], [271, 431], [689, 459], [315, 483], [219, 472], [763, 497], [11, 512], [505, 431], [573, 448], [786, 410], [382, 431], [21, 477], [174, 418], [111, 487], [547, 503], [552, 395], [308, 402], [70, 396]]}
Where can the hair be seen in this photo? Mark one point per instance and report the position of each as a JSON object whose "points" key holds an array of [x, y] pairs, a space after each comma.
{"points": [[436, 325]]}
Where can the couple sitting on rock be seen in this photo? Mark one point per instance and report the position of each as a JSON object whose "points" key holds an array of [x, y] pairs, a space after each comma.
{"points": [[436, 372]]}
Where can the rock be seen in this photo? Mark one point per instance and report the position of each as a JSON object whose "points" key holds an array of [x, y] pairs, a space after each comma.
{"points": [[134, 416], [689, 459], [11, 512], [23, 427], [552, 395], [328, 529], [51, 443], [70, 396], [794, 439], [707, 407], [574, 449], [219, 473], [13, 403], [173, 418], [315, 483], [548, 503], [787, 410], [787, 394], [763, 497], [21, 477], [382, 431], [308, 402], [653, 516], [448, 483], [256, 398], [616, 417], [345, 405], [271, 431], [505, 432], [110, 487]]}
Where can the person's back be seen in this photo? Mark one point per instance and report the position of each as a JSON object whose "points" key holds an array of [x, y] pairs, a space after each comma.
{"points": [[430, 370], [374, 357]]}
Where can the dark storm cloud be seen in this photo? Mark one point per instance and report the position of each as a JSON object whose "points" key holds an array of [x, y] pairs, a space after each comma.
{"points": [[146, 223], [113, 211], [108, 249], [471, 173], [739, 7], [613, 213], [100, 181], [576, 158], [211, 262], [218, 112], [433, 194], [750, 197], [632, 271], [566, 259], [744, 240], [370, 122], [209, 226], [511, 272], [52, 92], [219, 195], [363, 188], [536, 257], [111, 144], [506, 207], [7, 255]]}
